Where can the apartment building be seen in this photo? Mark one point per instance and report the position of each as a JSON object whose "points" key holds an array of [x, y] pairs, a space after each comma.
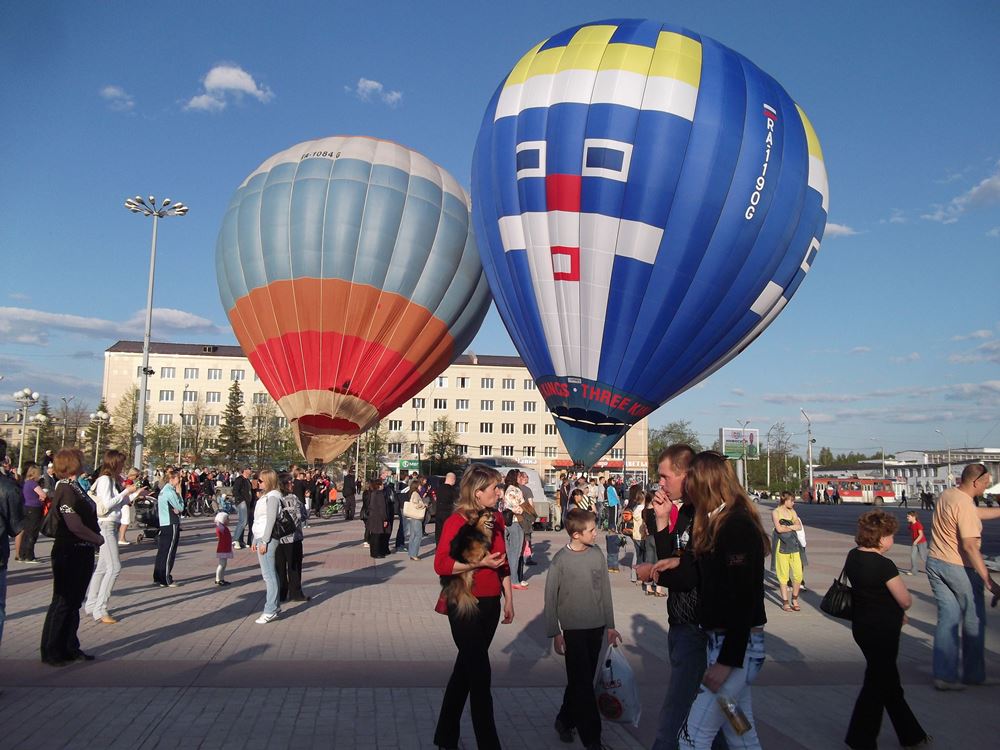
{"points": [[490, 400]]}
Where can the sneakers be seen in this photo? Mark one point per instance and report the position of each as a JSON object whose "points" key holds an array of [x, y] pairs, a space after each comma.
{"points": [[237, 545], [222, 583], [265, 619], [908, 572], [564, 732], [945, 685], [32, 561], [520, 586]]}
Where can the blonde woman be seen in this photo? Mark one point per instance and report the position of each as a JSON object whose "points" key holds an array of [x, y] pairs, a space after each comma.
{"points": [[414, 510], [513, 505], [265, 513], [470, 678]]}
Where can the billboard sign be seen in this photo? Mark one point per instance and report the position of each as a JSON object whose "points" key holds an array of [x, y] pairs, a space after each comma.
{"points": [[735, 441]]}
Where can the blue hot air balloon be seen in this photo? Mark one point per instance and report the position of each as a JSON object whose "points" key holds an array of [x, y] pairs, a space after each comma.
{"points": [[646, 202]]}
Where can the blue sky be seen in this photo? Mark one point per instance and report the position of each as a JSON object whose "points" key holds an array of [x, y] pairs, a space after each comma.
{"points": [[895, 333]]}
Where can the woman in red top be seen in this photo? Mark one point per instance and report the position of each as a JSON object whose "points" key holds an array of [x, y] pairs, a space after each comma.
{"points": [[471, 676]]}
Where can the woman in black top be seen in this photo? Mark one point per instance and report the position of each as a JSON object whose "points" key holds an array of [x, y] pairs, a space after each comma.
{"points": [[77, 537], [729, 548], [879, 599], [377, 521]]}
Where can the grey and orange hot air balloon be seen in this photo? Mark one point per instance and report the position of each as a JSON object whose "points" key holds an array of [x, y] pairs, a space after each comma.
{"points": [[349, 271]]}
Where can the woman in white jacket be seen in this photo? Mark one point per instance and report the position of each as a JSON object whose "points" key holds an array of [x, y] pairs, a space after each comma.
{"points": [[112, 496], [264, 515]]}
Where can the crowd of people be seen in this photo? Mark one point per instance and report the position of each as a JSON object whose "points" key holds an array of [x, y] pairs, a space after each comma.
{"points": [[698, 540]]}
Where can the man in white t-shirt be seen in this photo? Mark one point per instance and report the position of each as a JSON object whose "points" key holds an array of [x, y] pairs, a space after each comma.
{"points": [[958, 575]]}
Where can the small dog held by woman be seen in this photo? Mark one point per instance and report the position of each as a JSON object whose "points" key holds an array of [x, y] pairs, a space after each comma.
{"points": [[470, 545]]}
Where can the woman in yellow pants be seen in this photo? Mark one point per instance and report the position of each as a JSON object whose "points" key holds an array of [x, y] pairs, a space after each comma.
{"points": [[787, 560]]}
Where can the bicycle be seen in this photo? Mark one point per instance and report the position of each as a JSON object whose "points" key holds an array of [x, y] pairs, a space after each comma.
{"points": [[331, 509], [200, 505]]}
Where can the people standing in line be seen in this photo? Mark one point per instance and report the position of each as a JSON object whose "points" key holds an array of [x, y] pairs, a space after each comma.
{"points": [[112, 496], [513, 500], [580, 618], [377, 522], [223, 545], [471, 676], [414, 510], [349, 490], [958, 574], [787, 560], [34, 501], [265, 514], [242, 498], [670, 543], [288, 558], [77, 536], [11, 523], [729, 548], [918, 546], [169, 506], [445, 504], [879, 601]]}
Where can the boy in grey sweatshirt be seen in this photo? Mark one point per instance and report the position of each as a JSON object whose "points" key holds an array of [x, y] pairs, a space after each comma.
{"points": [[578, 610]]}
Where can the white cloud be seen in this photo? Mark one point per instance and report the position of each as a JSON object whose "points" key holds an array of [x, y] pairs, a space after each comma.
{"points": [[911, 357], [117, 98], [20, 296], [985, 193], [25, 326], [838, 230], [225, 83], [994, 232], [986, 352], [988, 392], [21, 374], [368, 90], [982, 333], [739, 392], [861, 350], [897, 216]]}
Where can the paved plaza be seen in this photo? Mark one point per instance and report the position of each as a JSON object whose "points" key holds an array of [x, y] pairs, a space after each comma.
{"points": [[363, 665]]}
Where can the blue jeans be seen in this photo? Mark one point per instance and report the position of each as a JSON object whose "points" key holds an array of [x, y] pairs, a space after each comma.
{"points": [[515, 545], [706, 717], [241, 522], [958, 592], [414, 535], [612, 544], [270, 574], [687, 649]]}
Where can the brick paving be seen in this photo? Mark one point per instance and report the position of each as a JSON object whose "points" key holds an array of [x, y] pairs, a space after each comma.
{"points": [[364, 663]]}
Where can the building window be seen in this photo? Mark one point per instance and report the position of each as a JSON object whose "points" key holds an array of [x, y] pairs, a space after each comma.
{"points": [[237, 374], [395, 448], [148, 394], [461, 427], [507, 384], [442, 381], [190, 373], [462, 404], [618, 453], [528, 451], [190, 396], [529, 384], [529, 405], [440, 404], [529, 429], [507, 428], [213, 397], [211, 420], [417, 425], [486, 383], [485, 450], [190, 420], [416, 448], [506, 450], [550, 429], [214, 373], [550, 452], [168, 372], [261, 398], [486, 405], [462, 382], [419, 403], [463, 450], [165, 419], [166, 395], [256, 378], [395, 425], [486, 427], [506, 406]]}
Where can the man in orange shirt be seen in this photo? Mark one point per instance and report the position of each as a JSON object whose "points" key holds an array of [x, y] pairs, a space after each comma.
{"points": [[957, 575]]}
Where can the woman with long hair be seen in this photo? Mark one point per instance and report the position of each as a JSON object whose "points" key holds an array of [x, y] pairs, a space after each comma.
{"points": [[288, 557], [729, 547], [417, 509], [376, 514], [77, 535], [112, 496], [513, 508], [265, 513], [169, 507], [35, 500], [787, 553], [470, 679]]}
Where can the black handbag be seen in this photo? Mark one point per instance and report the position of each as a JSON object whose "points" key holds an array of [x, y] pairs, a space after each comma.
{"points": [[284, 525], [838, 601]]}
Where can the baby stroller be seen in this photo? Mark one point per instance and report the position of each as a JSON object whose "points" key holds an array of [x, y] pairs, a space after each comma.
{"points": [[148, 516]]}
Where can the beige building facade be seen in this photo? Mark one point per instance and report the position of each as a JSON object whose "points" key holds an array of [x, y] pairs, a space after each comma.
{"points": [[491, 402]]}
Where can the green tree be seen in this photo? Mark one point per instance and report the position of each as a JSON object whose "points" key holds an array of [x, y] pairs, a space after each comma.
{"points": [[442, 448], [825, 457], [121, 432], [264, 432], [373, 448], [671, 433], [45, 438], [234, 440], [161, 444]]}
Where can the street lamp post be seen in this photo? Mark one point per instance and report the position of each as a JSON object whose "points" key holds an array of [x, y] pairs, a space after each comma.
{"points": [[809, 449], [770, 429], [743, 438], [65, 416], [101, 417], [948, 443], [149, 208], [25, 398], [39, 420]]}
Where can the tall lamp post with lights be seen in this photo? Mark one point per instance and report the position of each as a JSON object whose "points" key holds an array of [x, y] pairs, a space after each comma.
{"points": [[102, 418], [25, 398], [809, 448], [148, 207], [40, 421], [743, 437]]}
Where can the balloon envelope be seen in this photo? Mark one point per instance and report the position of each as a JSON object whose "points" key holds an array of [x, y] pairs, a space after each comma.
{"points": [[349, 271], [646, 202]]}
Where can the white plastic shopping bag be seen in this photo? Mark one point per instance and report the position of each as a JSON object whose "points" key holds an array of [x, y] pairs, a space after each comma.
{"points": [[616, 689]]}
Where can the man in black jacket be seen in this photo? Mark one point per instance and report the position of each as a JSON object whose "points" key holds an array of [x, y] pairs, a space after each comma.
{"points": [[446, 495], [11, 522], [349, 490], [243, 499]]}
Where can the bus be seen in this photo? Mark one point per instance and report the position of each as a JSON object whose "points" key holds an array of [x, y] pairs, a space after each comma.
{"points": [[867, 490]]}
